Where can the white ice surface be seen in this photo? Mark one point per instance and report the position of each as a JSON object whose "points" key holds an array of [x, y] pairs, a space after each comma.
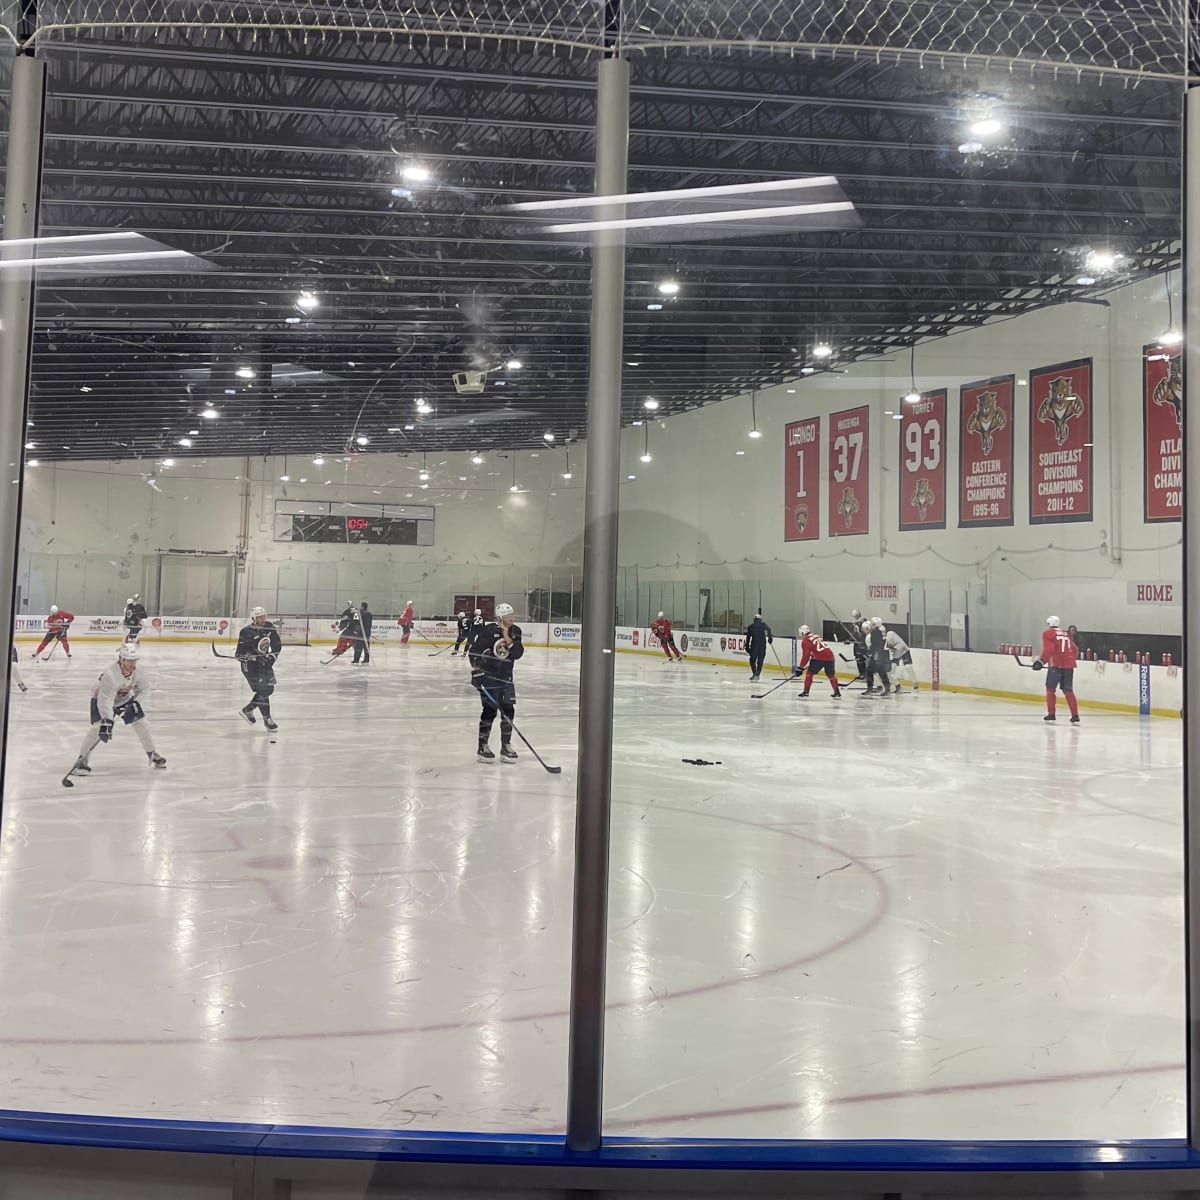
{"points": [[927, 917]]}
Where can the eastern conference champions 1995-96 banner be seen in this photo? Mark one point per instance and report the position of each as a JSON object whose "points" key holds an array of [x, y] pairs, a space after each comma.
{"points": [[1060, 443], [849, 458], [985, 452], [1162, 432], [923, 462], [802, 480]]}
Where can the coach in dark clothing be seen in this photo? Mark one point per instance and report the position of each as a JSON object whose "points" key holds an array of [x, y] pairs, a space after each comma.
{"points": [[758, 634], [362, 649]]}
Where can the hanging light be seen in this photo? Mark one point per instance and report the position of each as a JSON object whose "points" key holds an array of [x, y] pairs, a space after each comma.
{"points": [[646, 455], [423, 474], [477, 459], [755, 432], [1171, 336], [650, 403], [912, 396], [822, 350], [669, 287], [307, 301], [567, 472], [515, 486]]}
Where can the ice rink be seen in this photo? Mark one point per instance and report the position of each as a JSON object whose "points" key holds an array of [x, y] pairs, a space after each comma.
{"points": [[926, 917]]}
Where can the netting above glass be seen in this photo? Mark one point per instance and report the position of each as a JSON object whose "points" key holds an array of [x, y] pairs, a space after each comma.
{"points": [[1127, 37]]}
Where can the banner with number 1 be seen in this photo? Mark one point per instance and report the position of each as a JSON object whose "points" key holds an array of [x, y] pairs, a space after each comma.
{"points": [[801, 480], [849, 481]]}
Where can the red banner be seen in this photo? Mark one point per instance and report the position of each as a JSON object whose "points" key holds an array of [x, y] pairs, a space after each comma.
{"points": [[801, 480], [849, 481], [1162, 432], [1060, 443], [923, 462], [985, 452]]}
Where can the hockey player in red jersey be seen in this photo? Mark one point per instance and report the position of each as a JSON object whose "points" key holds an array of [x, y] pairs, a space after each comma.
{"points": [[816, 656], [1059, 656], [406, 623], [58, 624], [661, 628]]}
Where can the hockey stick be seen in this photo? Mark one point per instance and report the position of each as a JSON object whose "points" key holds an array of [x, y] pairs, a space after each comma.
{"points": [[551, 770], [1030, 666], [764, 695], [217, 654]]}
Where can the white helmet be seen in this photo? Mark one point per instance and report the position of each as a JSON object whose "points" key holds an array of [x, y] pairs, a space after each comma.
{"points": [[855, 615], [461, 615], [257, 611], [865, 627], [660, 614], [803, 631], [128, 652], [53, 609], [876, 622], [137, 595], [479, 612], [411, 603], [129, 600], [503, 610], [1052, 622], [758, 616]]}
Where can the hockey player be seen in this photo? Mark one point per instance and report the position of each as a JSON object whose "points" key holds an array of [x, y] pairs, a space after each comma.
{"points": [[901, 656], [1060, 655], [878, 662], [362, 650], [758, 635], [58, 625], [477, 619], [134, 618], [493, 649], [463, 635], [406, 623], [257, 649], [15, 671], [350, 631], [661, 628], [816, 656], [116, 694]]}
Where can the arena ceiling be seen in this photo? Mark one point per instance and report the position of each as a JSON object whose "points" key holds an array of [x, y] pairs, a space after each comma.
{"points": [[280, 159]]}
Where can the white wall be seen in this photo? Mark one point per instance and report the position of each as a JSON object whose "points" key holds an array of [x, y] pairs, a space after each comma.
{"points": [[699, 504]]}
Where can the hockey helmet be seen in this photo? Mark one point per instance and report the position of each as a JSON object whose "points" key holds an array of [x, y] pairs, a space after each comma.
{"points": [[660, 616], [1052, 622], [803, 631], [479, 612], [461, 615], [855, 615], [53, 609], [257, 611], [128, 652], [876, 622], [137, 595], [503, 611]]}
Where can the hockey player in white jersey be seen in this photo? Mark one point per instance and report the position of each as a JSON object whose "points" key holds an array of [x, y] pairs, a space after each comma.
{"points": [[116, 694], [901, 657]]}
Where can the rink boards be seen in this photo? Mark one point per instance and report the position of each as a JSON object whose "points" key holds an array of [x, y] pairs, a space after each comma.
{"points": [[1115, 687]]}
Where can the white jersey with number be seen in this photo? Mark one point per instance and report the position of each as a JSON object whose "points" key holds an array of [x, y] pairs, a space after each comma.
{"points": [[895, 644], [114, 689]]}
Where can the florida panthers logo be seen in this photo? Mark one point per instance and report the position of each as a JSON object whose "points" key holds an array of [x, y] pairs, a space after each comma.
{"points": [[848, 506], [923, 496], [1169, 390], [987, 420], [1060, 407], [264, 645], [801, 518]]}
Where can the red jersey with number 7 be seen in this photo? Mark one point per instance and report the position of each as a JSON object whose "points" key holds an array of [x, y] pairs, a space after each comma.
{"points": [[1058, 650]]}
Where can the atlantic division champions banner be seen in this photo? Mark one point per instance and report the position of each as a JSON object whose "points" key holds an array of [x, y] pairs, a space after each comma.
{"points": [[923, 462], [985, 452], [1060, 443], [802, 480], [849, 486], [1162, 432]]}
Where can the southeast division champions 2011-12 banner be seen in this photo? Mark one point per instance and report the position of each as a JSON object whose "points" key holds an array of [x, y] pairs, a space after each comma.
{"points": [[1060, 443], [985, 452], [923, 462], [802, 480], [1162, 433], [849, 487]]}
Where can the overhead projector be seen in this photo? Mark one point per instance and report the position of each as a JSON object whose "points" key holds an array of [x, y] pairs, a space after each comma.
{"points": [[469, 383]]}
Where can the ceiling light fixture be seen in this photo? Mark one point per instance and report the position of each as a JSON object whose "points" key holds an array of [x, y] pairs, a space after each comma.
{"points": [[33, 462], [822, 350], [912, 396], [307, 301], [416, 173], [808, 370], [513, 364], [187, 441], [362, 440], [676, 194], [85, 390], [547, 436], [986, 127], [168, 462], [285, 479], [245, 372], [654, 308], [725, 217], [668, 287], [650, 403], [423, 473], [1102, 261], [567, 472], [210, 414], [291, 320], [423, 407], [477, 459], [755, 432], [318, 461], [646, 455]]}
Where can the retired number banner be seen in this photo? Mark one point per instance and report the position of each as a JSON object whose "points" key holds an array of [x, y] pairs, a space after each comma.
{"points": [[985, 452], [1162, 432], [1060, 443], [849, 488], [923, 462], [802, 480]]}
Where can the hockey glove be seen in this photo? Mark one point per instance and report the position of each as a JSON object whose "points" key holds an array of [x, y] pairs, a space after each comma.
{"points": [[106, 730], [1038, 665]]}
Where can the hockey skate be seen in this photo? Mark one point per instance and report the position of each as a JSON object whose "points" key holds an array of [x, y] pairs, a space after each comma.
{"points": [[507, 754], [269, 722], [155, 759], [485, 753], [1049, 717], [247, 714], [1074, 720], [22, 687]]}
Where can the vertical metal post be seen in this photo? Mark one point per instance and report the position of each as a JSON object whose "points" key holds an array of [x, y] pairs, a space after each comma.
{"points": [[22, 199], [1191, 585], [585, 1067]]}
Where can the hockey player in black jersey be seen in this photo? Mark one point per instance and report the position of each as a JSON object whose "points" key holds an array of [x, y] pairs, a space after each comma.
{"points": [[464, 633], [493, 649], [257, 649], [134, 618]]}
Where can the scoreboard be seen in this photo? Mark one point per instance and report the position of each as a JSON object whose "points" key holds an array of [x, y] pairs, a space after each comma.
{"points": [[354, 524]]}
